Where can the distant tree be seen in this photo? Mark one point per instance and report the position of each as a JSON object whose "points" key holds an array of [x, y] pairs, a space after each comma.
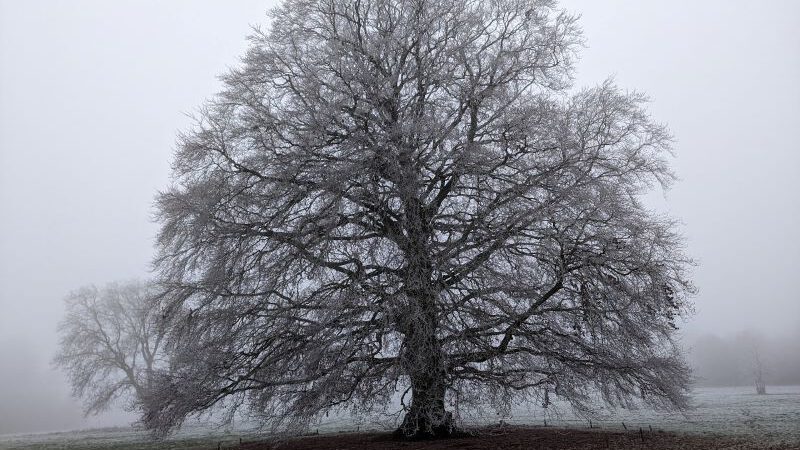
{"points": [[111, 342], [404, 196], [753, 343], [758, 373]]}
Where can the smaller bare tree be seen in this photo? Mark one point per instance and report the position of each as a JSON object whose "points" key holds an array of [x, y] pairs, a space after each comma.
{"points": [[753, 343], [111, 341], [758, 370]]}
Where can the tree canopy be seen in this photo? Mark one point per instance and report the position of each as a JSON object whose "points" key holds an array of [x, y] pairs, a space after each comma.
{"points": [[409, 196]]}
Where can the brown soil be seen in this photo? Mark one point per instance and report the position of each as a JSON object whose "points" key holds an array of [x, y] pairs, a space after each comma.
{"points": [[533, 438]]}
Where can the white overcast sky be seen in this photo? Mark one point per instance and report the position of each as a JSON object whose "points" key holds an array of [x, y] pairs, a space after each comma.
{"points": [[93, 92]]}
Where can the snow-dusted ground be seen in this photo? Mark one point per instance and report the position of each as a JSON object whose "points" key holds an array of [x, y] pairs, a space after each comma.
{"points": [[774, 417], [190, 437], [727, 410]]}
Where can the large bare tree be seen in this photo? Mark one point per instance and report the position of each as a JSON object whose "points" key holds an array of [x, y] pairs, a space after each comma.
{"points": [[111, 343], [408, 196]]}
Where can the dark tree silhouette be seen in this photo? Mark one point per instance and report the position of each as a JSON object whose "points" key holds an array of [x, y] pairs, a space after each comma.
{"points": [[405, 196]]}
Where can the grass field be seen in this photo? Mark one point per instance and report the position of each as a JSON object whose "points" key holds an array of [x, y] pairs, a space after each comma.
{"points": [[735, 415]]}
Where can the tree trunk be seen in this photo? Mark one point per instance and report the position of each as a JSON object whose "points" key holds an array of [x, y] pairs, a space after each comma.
{"points": [[424, 362], [422, 357], [427, 417]]}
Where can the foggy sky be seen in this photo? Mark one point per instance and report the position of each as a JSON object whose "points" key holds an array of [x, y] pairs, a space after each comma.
{"points": [[92, 94]]}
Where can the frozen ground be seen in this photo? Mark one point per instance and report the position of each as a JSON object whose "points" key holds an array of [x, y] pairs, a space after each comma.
{"points": [[739, 411], [119, 438], [774, 417]]}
